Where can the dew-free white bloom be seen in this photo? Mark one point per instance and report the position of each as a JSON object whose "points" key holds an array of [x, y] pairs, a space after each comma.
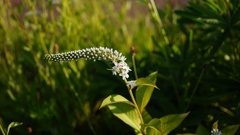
{"points": [[216, 132], [131, 84], [120, 66]]}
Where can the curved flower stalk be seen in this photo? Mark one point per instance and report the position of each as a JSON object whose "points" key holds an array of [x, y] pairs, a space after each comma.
{"points": [[120, 66]]}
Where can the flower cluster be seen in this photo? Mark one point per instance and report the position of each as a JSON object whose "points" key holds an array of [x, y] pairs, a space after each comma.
{"points": [[216, 132], [120, 66]]}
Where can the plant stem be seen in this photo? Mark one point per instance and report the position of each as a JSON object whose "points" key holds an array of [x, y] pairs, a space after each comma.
{"points": [[130, 89], [81, 104], [155, 15], [136, 106], [195, 88], [135, 103], [134, 67], [2, 130]]}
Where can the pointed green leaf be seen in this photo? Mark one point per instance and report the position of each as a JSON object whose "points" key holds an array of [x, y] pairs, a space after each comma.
{"points": [[167, 123], [112, 99], [155, 123], [127, 113], [221, 38], [144, 93], [123, 109], [145, 82], [170, 122], [230, 130], [205, 11], [153, 127], [13, 124], [152, 131]]}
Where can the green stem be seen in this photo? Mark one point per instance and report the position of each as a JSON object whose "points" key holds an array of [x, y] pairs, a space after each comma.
{"points": [[176, 90], [130, 90], [81, 104], [135, 103], [134, 67], [2, 130], [195, 88], [155, 15]]}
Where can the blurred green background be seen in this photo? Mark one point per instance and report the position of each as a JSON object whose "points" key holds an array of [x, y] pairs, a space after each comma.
{"points": [[193, 45]]}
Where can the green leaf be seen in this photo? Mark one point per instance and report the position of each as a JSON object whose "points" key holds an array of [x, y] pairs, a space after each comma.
{"points": [[145, 82], [13, 124], [167, 123], [127, 114], [206, 13], [152, 131], [170, 122], [201, 130], [144, 92], [219, 42], [146, 116], [154, 126], [123, 109], [112, 99], [230, 130]]}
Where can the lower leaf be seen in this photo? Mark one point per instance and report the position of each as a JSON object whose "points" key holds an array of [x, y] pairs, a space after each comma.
{"points": [[127, 113], [170, 122], [230, 130], [167, 123]]}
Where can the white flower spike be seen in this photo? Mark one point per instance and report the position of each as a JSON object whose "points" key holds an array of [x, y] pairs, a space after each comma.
{"points": [[120, 66]]}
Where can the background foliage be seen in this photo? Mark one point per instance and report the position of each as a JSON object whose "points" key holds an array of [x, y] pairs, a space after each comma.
{"points": [[194, 48]]}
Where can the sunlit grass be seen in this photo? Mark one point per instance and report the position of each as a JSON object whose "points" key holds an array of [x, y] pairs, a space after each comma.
{"points": [[31, 29]]}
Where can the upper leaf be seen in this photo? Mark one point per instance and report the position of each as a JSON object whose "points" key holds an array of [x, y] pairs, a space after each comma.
{"points": [[144, 92], [146, 82]]}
